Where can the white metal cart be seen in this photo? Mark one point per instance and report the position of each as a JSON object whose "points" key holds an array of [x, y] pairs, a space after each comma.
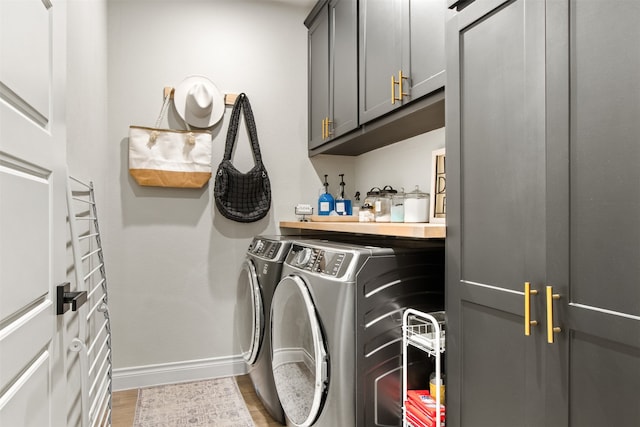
{"points": [[425, 331]]}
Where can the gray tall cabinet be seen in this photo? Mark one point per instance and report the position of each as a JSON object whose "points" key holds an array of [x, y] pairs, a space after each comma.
{"points": [[543, 215]]}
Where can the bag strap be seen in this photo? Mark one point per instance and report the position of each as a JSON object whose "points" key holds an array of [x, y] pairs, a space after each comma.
{"points": [[242, 104], [163, 110]]}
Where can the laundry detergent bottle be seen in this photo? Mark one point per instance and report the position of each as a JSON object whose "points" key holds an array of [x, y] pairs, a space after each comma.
{"points": [[343, 206], [326, 204]]}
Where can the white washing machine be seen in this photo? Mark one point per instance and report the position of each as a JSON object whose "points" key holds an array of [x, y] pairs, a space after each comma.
{"points": [[336, 331], [257, 280]]}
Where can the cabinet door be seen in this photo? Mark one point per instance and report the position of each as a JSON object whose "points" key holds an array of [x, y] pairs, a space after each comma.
{"points": [[399, 36], [343, 67], [426, 46], [318, 77], [495, 213], [380, 54], [594, 211]]}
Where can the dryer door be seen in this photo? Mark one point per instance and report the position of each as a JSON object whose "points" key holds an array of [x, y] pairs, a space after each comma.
{"points": [[300, 362], [249, 313]]}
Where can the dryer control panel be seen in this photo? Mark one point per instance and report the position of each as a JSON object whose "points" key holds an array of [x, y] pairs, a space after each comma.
{"points": [[316, 260]]}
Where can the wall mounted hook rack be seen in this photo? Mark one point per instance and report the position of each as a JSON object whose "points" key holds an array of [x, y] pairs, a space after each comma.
{"points": [[229, 98]]}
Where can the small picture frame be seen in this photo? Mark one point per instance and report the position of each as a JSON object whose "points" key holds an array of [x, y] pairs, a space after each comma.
{"points": [[438, 205]]}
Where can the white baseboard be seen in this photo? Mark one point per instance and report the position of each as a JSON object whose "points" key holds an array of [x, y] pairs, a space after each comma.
{"points": [[178, 372]]}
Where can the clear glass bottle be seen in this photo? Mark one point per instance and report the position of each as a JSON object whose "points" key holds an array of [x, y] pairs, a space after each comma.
{"points": [[383, 204], [397, 206], [416, 206], [366, 214]]}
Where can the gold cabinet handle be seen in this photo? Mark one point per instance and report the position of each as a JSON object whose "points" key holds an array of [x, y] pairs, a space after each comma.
{"points": [[323, 134], [393, 90], [328, 123], [550, 328], [528, 323], [400, 79]]}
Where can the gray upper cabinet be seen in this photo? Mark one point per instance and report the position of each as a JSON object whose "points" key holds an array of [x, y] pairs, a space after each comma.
{"points": [[401, 52], [543, 188], [318, 78], [333, 87], [356, 48]]}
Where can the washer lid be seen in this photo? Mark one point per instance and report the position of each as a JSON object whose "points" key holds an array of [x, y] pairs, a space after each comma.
{"points": [[249, 313], [300, 363]]}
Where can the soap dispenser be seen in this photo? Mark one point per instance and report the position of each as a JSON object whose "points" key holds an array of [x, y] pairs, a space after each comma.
{"points": [[326, 203], [343, 206]]}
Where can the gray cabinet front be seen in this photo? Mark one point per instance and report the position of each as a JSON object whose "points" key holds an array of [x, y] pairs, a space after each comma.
{"points": [[333, 87], [401, 53], [495, 214], [318, 35], [543, 187], [593, 98], [343, 107]]}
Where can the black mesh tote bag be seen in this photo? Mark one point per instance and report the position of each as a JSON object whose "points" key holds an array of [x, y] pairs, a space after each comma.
{"points": [[242, 197]]}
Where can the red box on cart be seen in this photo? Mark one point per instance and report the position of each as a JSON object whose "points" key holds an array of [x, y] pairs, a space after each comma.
{"points": [[423, 400]]}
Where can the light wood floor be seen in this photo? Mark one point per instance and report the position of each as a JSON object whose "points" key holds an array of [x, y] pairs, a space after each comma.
{"points": [[124, 406]]}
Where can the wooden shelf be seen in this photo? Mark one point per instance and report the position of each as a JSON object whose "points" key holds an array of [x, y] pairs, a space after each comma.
{"points": [[417, 230]]}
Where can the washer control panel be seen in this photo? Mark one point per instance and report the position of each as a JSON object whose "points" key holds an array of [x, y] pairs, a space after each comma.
{"points": [[316, 260], [264, 248]]}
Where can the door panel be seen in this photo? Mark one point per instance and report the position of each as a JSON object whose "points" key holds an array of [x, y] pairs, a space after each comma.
{"points": [[25, 23], [503, 160], [24, 220], [594, 206], [32, 211], [495, 389], [24, 336], [344, 66], [380, 55], [607, 372], [496, 231], [318, 78], [605, 154], [426, 46], [27, 402]]}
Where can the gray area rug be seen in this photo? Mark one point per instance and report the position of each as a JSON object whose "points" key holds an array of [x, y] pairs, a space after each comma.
{"points": [[216, 402]]}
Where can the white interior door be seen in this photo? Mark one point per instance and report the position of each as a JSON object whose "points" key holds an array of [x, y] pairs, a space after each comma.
{"points": [[32, 211]]}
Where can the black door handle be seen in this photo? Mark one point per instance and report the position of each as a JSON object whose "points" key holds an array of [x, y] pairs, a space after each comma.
{"points": [[67, 299]]}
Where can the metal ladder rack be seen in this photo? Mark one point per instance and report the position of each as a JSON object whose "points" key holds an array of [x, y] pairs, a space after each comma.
{"points": [[93, 344], [425, 331]]}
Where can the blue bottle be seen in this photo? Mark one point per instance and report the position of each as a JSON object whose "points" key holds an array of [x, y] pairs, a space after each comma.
{"points": [[326, 203], [343, 206]]}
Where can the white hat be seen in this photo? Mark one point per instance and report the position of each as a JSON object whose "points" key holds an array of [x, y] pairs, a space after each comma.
{"points": [[198, 101]]}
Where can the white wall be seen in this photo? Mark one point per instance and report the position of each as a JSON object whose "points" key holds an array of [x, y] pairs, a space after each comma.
{"points": [[401, 165], [87, 141], [172, 260]]}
